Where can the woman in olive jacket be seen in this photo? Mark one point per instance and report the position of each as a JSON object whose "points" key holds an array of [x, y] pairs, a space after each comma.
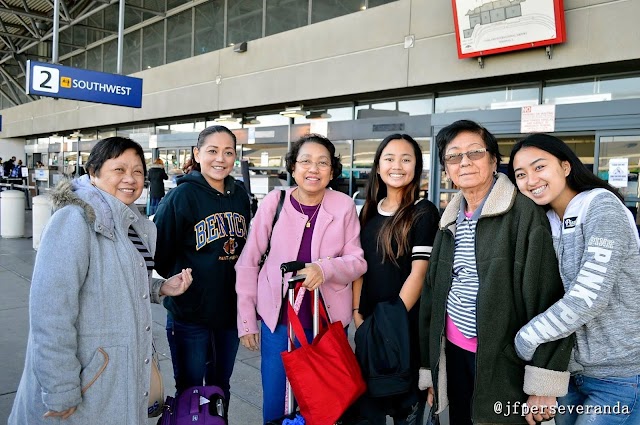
{"points": [[492, 269]]}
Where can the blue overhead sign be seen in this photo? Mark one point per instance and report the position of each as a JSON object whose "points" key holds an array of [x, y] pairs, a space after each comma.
{"points": [[45, 79]]}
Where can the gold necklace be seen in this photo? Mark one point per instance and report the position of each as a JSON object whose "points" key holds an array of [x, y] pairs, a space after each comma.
{"points": [[314, 213]]}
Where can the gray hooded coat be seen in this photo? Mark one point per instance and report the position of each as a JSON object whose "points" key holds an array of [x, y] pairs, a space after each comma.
{"points": [[90, 318]]}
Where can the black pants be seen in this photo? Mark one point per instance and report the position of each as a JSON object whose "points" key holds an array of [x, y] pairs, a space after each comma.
{"points": [[461, 376]]}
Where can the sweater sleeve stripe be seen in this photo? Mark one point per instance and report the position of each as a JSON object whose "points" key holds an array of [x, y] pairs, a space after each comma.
{"points": [[421, 252]]}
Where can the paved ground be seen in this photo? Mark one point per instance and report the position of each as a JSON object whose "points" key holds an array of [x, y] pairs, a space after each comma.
{"points": [[16, 265]]}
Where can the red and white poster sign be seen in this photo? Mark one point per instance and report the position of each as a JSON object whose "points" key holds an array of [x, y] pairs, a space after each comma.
{"points": [[538, 119], [486, 27]]}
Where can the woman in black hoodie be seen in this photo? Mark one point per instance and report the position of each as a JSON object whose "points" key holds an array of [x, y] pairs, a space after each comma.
{"points": [[203, 222]]}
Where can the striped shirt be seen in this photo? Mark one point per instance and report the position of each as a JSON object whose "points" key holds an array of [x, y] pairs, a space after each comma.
{"points": [[461, 302], [137, 242]]}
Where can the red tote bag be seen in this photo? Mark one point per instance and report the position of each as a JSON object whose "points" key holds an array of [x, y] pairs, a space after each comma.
{"points": [[324, 375]]}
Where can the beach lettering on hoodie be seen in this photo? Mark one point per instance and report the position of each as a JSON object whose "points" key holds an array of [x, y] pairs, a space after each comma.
{"points": [[584, 292], [219, 225]]}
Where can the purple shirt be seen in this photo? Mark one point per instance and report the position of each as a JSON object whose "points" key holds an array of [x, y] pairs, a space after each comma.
{"points": [[304, 255]]}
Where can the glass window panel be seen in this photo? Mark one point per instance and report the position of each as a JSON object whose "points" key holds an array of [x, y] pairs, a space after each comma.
{"points": [[209, 27], [416, 106], [94, 59], [328, 9], [344, 113], [78, 61], [374, 3], [157, 5], [625, 147], [244, 20], [507, 97], [94, 20], [621, 88], [200, 125], [153, 45], [110, 56], [572, 92], [79, 36], [111, 17], [265, 155], [132, 16], [66, 36], [284, 15], [182, 127], [131, 55], [66, 62], [175, 3], [106, 132], [592, 90], [179, 32]]}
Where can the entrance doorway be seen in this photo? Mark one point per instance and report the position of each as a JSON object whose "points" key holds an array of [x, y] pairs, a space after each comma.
{"points": [[619, 164]]}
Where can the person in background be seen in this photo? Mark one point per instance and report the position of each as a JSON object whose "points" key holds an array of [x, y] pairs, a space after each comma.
{"points": [[90, 337], [8, 166], [17, 170], [39, 164], [156, 177], [598, 249], [491, 271], [203, 224], [398, 229], [188, 166], [316, 226]]}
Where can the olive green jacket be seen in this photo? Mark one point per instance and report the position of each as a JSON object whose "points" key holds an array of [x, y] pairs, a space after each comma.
{"points": [[519, 279]]}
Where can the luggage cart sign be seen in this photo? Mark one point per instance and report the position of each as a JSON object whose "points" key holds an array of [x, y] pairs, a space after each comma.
{"points": [[45, 79]]}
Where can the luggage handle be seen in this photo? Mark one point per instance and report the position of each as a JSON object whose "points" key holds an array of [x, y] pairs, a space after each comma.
{"points": [[195, 402]]}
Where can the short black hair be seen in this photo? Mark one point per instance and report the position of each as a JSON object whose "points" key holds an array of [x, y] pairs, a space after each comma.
{"points": [[111, 147], [450, 132], [292, 155]]}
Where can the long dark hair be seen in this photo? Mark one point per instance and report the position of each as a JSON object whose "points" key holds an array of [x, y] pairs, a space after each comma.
{"points": [[397, 229], [580, 178]]}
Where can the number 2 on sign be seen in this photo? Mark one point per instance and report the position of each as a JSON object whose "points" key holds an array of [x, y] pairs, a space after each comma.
{"points": [[46, 79]]}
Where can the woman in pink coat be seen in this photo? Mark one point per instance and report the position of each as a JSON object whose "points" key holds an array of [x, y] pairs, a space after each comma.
{"points": [[316, 226]]}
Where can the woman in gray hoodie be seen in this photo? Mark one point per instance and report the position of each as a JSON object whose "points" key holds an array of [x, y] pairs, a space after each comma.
{"points": [[597, 245], [89, 353]]}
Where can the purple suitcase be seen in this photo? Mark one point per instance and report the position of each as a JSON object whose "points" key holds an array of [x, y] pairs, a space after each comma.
{"points": [[203, 405]]}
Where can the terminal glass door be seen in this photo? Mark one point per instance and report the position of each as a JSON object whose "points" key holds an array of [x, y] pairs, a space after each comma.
{"points": [[619, 164]]}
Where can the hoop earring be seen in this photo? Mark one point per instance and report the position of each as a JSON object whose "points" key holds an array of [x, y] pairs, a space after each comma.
{"points": [[495, 173]]}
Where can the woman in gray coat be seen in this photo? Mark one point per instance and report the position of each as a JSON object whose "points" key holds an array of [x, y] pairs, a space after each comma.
{"points": [[89, 351]]}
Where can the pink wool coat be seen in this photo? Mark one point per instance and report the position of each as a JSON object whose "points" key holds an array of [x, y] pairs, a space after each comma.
{"points": [[335, 247]]}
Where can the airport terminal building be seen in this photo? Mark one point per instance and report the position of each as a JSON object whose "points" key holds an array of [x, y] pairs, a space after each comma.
{"points": [[356, 70]]}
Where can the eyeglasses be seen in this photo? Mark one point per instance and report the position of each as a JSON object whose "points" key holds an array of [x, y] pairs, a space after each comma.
{"points": [[456, 158], [306, 164]]}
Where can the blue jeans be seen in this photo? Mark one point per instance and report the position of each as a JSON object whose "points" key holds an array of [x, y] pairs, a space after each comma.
{"points": [[153, 205], [604, 401], [272, 370], [199, 353]]}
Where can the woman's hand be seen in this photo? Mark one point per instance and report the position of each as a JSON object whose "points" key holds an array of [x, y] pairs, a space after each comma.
{"points": [[357, 319], [64, 414], [251, 341], [314, 277], [430, 396], [178, 284], [541, 409]]}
